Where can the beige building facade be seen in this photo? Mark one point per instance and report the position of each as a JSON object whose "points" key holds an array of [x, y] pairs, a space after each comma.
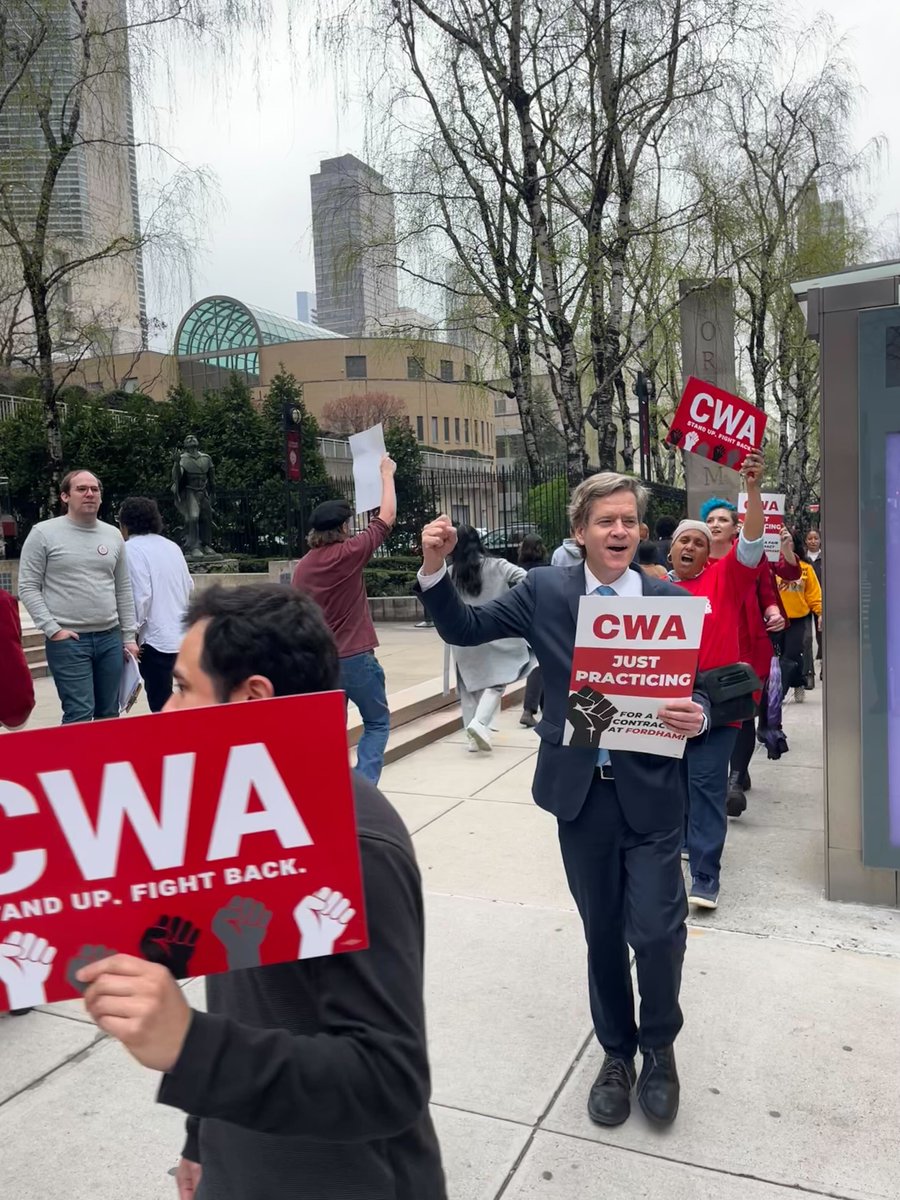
{"points": [[437, 383]]}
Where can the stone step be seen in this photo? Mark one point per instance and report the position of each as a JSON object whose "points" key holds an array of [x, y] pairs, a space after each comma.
{"points": [[437, 724], [410, 704]]}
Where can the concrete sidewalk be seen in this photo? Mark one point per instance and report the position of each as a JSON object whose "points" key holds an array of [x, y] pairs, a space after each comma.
{"points": [[789, 1057]]}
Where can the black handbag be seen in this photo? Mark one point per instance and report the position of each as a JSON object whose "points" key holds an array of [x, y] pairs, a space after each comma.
{"points": [[730, 690]]}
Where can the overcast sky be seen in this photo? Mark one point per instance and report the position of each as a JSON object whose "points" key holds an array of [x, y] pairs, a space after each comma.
{"points": [[263, 130]]}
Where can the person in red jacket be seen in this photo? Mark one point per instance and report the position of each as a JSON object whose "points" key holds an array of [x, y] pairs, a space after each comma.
{"points": [[762, 616], [723, 582], [17, 693]]}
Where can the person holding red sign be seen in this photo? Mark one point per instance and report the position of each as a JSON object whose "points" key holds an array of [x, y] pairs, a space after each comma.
{"points": [[762, 617], [619, 813], [725, 582], [302, 1078]]}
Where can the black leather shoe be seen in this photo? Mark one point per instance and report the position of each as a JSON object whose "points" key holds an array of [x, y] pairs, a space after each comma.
{"points": [[658, 1089], [736, 803], [610, 1100]]}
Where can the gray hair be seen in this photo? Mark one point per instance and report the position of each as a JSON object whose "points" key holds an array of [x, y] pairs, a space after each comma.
{"points": [[596, 487]]}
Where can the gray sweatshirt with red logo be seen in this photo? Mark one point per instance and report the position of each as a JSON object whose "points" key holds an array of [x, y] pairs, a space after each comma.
{"points": [[75, 577]]}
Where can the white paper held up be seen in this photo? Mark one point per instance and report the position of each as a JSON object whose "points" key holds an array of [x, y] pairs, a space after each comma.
{"points": [[131, 684], [368, 450]]}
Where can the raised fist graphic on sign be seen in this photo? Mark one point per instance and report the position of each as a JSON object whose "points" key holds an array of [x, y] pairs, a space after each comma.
{"points": [[85, 956], [322, 920], [241, 927], [170, 942], [25, 965], [590, 714]]}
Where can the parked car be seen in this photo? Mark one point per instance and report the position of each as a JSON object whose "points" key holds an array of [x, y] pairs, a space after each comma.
{"points": [[504, 541]]}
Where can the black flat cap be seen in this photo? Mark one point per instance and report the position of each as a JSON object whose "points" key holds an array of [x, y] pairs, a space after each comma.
{"points": [[330, 515]]}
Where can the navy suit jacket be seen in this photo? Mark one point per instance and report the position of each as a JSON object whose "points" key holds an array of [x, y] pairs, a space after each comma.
{"points": [[543, 609]]}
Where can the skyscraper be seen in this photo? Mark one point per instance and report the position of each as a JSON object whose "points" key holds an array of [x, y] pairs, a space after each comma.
{"points": [[83, 60], [355, 245], [307, 310]]}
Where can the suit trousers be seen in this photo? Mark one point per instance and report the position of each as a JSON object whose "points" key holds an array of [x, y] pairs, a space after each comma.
{"points": [[629, 890]]}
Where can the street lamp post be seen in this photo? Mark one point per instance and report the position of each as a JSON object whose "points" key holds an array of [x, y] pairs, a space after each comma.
{"points": [[291, 418]]}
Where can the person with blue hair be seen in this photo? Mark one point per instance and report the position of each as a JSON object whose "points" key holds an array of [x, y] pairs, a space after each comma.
{"points": [[713, 503]]}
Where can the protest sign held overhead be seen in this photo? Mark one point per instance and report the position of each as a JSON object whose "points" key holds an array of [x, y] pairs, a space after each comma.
{"points": [[631, 657], [773, 507], [368, 450], [716, 425], [206, 840]]}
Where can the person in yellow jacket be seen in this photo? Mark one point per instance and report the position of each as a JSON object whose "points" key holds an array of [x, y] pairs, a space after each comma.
{"points": [[802, 601]]}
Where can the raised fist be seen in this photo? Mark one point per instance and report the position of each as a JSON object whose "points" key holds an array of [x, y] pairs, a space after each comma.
{"points": [[590, 714], [170, 943], [25, 965], [438, 543], [675, 436], [691, 440], [753, 468], [85, 956], [322, 919], [241, 927], [718, 453]]}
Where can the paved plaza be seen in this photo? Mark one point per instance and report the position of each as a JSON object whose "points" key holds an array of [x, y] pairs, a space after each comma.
{"points": [[788, 1058], [409, 656]]}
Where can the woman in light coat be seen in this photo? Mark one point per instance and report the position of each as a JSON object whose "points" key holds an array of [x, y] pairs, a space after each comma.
{"points": [[482, 672]]}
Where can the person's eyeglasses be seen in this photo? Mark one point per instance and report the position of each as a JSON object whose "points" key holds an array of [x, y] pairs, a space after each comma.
{"points": [[85, 490]]}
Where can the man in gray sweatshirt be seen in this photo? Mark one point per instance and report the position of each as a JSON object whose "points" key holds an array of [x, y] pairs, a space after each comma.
{"points": [[73, 580]]}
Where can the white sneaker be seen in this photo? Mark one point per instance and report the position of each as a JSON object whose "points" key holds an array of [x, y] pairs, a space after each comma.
{"points": [[479, 735], [799, 695]]}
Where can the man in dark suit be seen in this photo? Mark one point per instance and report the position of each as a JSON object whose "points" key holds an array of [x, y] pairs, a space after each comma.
{"points": [[620, 814]]}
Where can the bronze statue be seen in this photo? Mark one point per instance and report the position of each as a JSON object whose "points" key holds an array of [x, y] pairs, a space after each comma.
{"points": [[194, 487]]}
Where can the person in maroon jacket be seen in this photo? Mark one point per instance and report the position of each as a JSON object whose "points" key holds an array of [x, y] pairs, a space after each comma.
{"points": [[17, 693], [331, 572]]}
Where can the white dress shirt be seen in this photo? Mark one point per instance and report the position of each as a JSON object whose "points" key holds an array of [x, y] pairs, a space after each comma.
{"points": [[628, 583], [162, 586]]}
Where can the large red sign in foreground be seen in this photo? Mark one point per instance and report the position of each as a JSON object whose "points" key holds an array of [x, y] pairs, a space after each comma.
{"points": [[207, 840]]}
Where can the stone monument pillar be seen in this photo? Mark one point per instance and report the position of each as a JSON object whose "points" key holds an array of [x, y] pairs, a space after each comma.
{"points": [[707, 352]]}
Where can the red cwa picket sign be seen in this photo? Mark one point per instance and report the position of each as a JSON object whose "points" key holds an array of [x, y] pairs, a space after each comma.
{"points": [[716, 425], [207, 840], [631, 656]]}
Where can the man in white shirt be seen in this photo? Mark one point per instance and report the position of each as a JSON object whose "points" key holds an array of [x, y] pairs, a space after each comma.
{"points": [[619, 815], [162, 586]]}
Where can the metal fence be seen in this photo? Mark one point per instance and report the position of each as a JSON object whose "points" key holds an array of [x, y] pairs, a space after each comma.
{"points": [[503, 503]]}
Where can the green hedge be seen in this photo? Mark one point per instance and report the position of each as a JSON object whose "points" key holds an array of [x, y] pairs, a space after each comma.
{"points": [[388, 583]]}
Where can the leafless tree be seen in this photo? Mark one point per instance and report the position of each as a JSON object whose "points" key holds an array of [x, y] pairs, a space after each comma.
{"points": [[67, 73], [786, 212], [354, 413]]}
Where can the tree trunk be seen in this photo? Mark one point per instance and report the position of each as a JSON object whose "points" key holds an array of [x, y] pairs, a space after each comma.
{"points": [[518, 350], [47, 382], [548, 259], [625, 416]]}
